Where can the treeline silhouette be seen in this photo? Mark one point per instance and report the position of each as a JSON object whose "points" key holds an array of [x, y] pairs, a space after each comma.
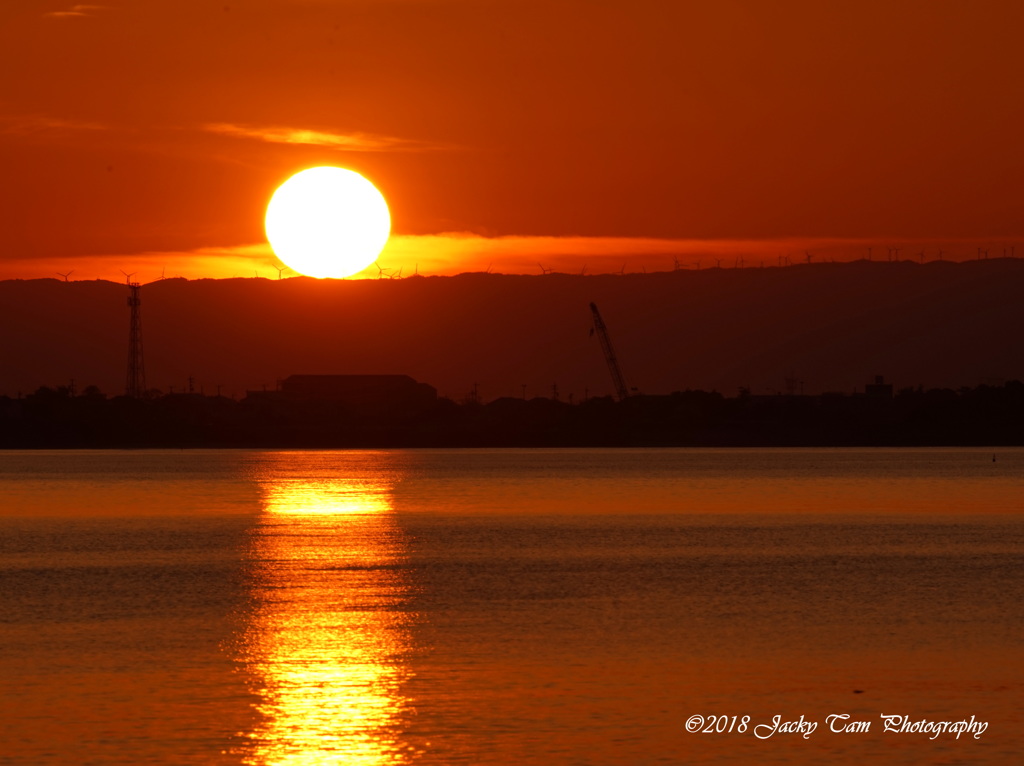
{"points": [[62, 418]]}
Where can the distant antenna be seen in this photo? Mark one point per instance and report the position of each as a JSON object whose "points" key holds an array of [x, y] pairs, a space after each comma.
{"points": [[609, 354], [135, 381], [66, 275]]}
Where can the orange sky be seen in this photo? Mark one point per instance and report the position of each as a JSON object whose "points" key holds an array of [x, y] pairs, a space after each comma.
{"points": [[594, 133]]}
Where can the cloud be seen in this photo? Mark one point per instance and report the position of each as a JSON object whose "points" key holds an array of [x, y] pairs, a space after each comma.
{"points": [[349, 142], [76, 11], [35, 123], [455, 252]]}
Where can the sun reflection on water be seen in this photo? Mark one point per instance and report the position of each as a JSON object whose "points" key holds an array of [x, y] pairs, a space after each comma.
{"points": [[329, 632]]}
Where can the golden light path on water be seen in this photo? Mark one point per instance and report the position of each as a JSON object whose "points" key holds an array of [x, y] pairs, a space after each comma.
{"points": [[326, 641]]}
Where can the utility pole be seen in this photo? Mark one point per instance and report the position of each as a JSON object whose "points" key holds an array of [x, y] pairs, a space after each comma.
{"points": [[135, 381]]}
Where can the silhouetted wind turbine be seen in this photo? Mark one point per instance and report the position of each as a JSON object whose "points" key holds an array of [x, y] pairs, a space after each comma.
{"points": [[543, 270], [66, 275], [280, 270]]}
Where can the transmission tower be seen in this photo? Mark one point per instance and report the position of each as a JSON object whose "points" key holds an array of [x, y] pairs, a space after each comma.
{"points": [[609, 354], [135, 382]]}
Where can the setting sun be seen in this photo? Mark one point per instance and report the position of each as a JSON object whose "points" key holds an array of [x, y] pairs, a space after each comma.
{"points": [[327, 222]]}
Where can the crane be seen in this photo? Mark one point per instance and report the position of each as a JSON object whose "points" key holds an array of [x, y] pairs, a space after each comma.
{"points": [[609, 354]]}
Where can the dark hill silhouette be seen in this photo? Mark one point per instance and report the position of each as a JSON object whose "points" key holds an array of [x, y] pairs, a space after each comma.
{"points": [[834, 326]]}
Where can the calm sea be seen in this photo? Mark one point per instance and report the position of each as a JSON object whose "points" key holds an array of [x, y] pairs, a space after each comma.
{"points": [[512, 607]]}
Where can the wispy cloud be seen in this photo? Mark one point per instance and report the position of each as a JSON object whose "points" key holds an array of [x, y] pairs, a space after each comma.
{"points": [[36, 123], [76, 11], [349, 142]]}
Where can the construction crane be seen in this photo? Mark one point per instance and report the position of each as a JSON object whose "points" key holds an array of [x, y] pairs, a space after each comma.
{"points": [[609, 354]]}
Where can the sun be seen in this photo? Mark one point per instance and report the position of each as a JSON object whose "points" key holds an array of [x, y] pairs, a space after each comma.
{"points": [[327, 222]]}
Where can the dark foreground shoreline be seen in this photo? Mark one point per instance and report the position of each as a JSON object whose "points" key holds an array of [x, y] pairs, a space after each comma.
{"points": [[982, 416]]}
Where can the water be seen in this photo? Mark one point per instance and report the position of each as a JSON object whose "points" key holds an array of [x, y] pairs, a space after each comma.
{"points": [[507, 606]]}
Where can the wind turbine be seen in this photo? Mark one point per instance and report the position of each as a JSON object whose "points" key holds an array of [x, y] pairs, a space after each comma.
{"points": [[280, 270], [380, 270], [543, 270], [66, 275], [127, 276]]}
